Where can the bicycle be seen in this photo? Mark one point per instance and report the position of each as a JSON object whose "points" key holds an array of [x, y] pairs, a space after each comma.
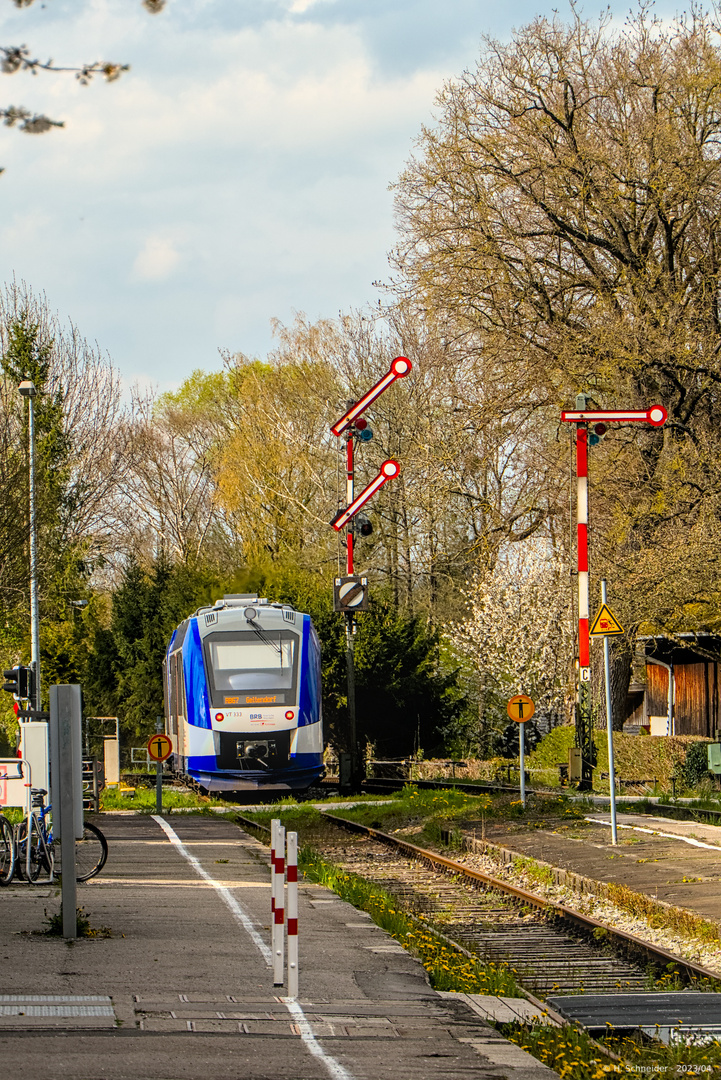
{"points": [[7, 851], [91, 850]]}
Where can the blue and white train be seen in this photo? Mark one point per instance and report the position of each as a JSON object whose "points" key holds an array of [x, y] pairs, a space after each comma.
{"points": [[243, 697]]}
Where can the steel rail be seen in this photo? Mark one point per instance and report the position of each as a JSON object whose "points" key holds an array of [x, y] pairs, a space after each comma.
{"points": [[652, 952]]}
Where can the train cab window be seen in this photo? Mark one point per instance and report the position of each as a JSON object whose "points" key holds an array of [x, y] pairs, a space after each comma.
{"points": [[242, 664]]}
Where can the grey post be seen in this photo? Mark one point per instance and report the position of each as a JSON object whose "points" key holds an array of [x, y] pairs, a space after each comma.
{"points": [[609, 724], [67, 791], [158, 771], [522, 757], [355, 769]]}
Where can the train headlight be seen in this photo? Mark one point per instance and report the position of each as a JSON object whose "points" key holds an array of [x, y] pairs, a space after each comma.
{"points": [[289, 715], [250, 614]]}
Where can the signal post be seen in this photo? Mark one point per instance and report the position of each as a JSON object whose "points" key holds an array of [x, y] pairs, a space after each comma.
{"points": [[351, 592], [582, 416]]}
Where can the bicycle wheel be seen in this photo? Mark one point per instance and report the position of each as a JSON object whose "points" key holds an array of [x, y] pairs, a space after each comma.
{"points": [[32, 870], [7, 851], [90, 852]]}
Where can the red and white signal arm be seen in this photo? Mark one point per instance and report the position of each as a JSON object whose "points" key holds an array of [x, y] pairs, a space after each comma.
{"points": [[656, 415], [389, 469], [160, 747], [399, 368]]}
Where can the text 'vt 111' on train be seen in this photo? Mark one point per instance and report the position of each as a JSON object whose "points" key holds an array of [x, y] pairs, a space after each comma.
{"points": [[243, 697]]}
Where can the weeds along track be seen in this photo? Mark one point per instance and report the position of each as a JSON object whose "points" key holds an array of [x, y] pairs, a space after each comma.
{"points": [[551, 949]]}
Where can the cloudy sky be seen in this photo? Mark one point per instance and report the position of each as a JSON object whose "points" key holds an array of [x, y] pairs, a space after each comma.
{"points": [[239, 172]]}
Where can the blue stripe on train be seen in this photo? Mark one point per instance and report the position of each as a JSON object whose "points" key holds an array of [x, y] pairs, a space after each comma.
{"points": [[310, 685], [196, 687], [208, 763]]}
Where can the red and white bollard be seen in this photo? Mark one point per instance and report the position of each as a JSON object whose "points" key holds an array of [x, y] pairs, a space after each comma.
{"points": [[279, 912], [292, 901], [274, 826]]}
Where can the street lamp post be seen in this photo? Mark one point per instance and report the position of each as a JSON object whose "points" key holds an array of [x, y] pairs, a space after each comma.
{"points": [[27, 390]]}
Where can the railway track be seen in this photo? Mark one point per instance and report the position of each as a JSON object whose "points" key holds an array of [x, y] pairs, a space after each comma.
{"points": [[552, 949]]}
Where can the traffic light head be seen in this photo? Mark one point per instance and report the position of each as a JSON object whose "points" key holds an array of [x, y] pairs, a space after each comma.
{"points": [[12, 682], [20, 682]]}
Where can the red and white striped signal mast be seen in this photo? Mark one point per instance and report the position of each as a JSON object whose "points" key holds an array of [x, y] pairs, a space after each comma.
{"points": [[351, 592], [582, 416]]}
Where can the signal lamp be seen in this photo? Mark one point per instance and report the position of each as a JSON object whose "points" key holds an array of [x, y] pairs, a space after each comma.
{"points": [[366, 435], [360, 423], [598, 433], [365, 527]]}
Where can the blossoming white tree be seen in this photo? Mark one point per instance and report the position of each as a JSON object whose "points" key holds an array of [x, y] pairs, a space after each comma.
{"points": [[518, 637]]}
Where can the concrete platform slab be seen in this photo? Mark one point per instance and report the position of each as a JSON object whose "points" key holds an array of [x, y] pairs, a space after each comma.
{"points": [[504, 1010]]}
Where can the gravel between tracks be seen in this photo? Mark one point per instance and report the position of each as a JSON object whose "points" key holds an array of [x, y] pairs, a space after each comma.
{"points": [[700, 952]]}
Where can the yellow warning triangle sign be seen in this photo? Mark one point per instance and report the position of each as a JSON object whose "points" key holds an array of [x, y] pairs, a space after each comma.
{"points": [[605, 624]]}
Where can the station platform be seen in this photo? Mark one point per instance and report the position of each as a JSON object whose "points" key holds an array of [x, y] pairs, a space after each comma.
{"points": [[678, 862], [182, 987]]}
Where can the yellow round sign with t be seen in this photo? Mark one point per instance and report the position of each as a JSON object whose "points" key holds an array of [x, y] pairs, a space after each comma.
{"points": [[521, 708]]}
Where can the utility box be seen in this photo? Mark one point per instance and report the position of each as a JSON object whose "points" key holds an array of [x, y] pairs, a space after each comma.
{"points": [[714, 757], [35, 748], [574, 763], [111, 761]]}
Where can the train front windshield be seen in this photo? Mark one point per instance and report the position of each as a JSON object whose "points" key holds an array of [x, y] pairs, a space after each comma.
{"points": [[243, 664]]}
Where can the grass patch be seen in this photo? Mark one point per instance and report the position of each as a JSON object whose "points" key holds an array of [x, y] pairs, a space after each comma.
{"points": [[534, 872], [300, 819], [425, 814], [575, 1057], [143, 800], [448, 968], [570, 1052], [680, 921], [83, 927]]}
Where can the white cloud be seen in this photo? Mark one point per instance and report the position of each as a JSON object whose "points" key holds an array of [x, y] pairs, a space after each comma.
{"points": [[299, 7], [157, 259]]}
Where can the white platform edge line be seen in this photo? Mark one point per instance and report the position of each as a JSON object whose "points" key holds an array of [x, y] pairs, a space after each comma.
{"points": [[334, 1068], [656, 832]]}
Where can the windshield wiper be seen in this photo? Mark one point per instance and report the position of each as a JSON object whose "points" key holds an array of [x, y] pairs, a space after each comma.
{"points": [[268, 641]]}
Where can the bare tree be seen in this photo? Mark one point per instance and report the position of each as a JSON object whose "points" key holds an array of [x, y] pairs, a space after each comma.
{"points": [[169, 497], [561, 223]]}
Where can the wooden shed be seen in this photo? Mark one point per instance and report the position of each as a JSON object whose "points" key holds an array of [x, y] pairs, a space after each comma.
{"points": [[692, 707]]}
